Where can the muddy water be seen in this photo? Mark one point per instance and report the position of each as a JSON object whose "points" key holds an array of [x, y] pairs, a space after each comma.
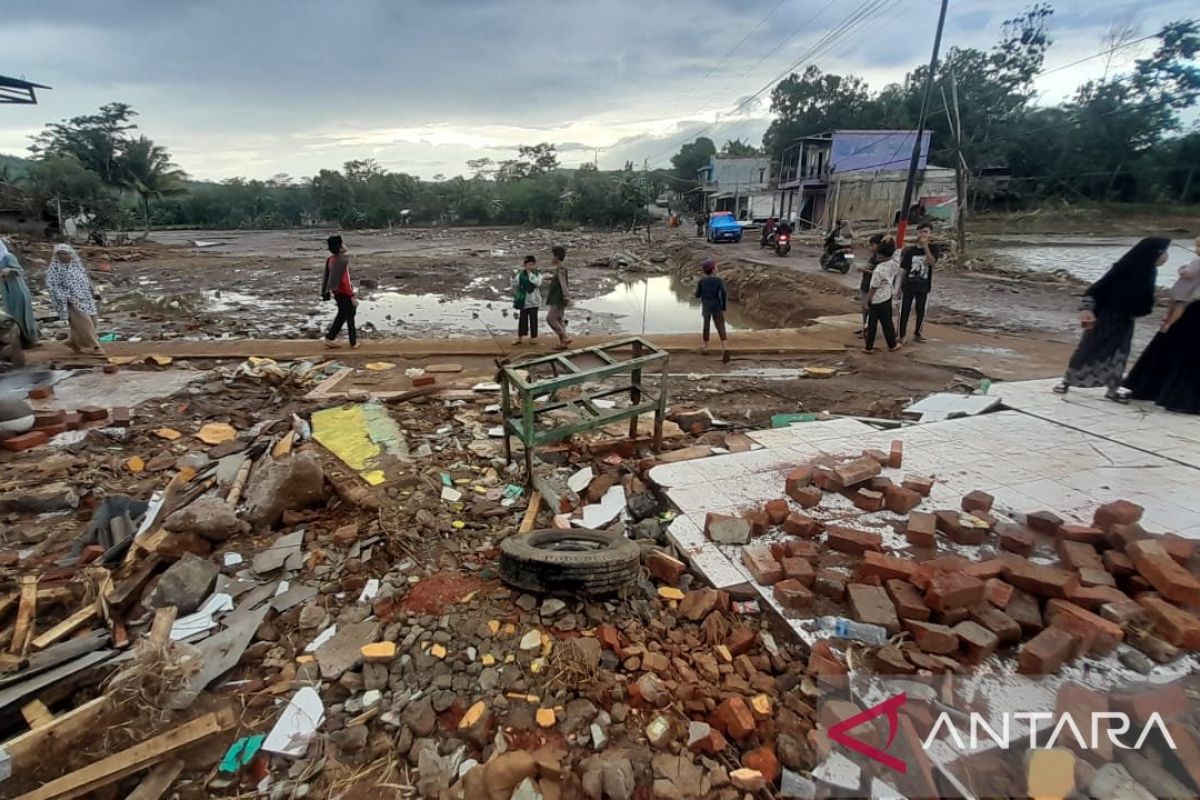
{"points": [[1083, 257]]}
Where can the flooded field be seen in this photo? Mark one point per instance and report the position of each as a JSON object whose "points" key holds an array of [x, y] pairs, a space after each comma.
{"points": [[1085, 258]]}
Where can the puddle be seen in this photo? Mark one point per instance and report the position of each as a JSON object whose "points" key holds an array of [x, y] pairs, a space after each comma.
{"points": [[663, 304], [1086, 259]]}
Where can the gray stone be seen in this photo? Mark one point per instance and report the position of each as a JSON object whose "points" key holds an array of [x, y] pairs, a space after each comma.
{"points": [[343, 651], [552, 606], [527, 602], [643, 505], [420, 717], [599, 737], [350, 739], [208, 516], [729, 531], [185, 584], [313, 617], [488, 679], [374, 676], [371, 699], [286, 484], [578, 714], [649, 528], [40, 499]]}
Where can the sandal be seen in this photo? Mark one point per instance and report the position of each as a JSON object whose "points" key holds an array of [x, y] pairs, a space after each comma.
{"points": [[1061, 388], [1117, 397]]}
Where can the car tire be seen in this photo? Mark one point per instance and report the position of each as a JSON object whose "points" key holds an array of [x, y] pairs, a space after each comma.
{"points": [[569, 562]]}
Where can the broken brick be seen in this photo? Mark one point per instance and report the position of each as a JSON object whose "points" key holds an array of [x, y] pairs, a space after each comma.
{"points": [[976, 501], [855, 542], [1118, 512], [762, 759], [762, 565], [1164, 573], [798, 478], [1177, 626], [948, 590], [1104, 636], [824, 663], [933, 638], [949, 616], [93, 413], [608, 636], [759, 521], [49, 418], [1118, 564], [908, 601], [1121, 536], [1015, 539], [120, 417], [978, 642], [1187, 750], [1096, 577], [792, 594], [711, 743], [1024, 610], [1043, 522], [997, 592], [1036, 579], [1046, 653], [825, 480], [871, 604], [830, 584], [733, 718], [896, 454], [1081, 704], [1078, 555], [807, 497], [1082, 533], [726, 530], [1126, 613], [798, 524], [798, 569], [857, 471], [740, 640], [986, 570], [1168, 700], [899, 500], [868, 500], [25, 441], [777, 511], [961, 528], [1007, 631], [886, 567], [920, 484], [40, 393], [801, 548], [1178, 547], [424, 380], [921, 528], [1093, 597], [665, 568], [73, 421], [173, 546]]}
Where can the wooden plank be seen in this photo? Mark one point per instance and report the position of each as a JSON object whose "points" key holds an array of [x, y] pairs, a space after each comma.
{"points": [[158, 780], [130, 587], [71, 623], [54, 655], [160, 629], [26, 616], [26, 749], [36, 714], [17, 692], [133, 759], [531, 512]]}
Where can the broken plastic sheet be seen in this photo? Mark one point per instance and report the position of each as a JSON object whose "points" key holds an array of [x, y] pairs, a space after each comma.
{"points": [[361, 436], [598, 515], [296, 725], [201, 620]]}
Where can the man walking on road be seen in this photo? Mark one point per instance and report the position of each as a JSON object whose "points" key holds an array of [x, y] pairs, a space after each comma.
{"points": [[917, 263], [558, 296], [337, 285]]}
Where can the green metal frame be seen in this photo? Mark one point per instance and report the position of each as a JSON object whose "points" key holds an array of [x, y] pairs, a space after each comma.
{"points": [[518, 393]]}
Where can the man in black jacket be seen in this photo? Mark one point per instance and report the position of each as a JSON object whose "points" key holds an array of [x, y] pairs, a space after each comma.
{"points": [[917, 263]]}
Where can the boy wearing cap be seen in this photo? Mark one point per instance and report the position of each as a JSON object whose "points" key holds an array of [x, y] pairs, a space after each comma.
{"points": [[713, 301]]}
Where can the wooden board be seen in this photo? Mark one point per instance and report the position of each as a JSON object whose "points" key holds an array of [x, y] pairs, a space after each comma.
{"points": [[27, 748], [133, 759], [531, 512], [158, 780], [36, 714], [26, 615], [76, 620]]}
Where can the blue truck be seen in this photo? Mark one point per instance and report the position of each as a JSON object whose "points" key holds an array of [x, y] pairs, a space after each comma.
{"points": [[722, 227]]}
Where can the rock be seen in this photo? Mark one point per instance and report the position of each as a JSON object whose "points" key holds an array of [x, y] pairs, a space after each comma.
{"points": [[185, 584], [531, 641], [652, 689], [526, 790], [643, 505], [599, 737], [313, 617], [350, 739], [287, 484], [497, 779], [748, 780], [420, 717], [371, 699], [658, 731], [578, 715], [649, 528], [374, 676], [527, 602], [210, 517], [552, 606], [794, 786], [40, 499]]}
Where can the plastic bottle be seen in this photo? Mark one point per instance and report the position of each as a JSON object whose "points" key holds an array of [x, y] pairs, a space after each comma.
{"points": [[844, 628]]}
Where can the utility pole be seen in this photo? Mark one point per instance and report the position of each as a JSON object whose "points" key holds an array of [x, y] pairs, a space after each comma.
{"points": [[960, 170], [909, 185]]}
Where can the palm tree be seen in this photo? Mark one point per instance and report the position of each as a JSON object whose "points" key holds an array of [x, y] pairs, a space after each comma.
{"points": [[146, 169]]}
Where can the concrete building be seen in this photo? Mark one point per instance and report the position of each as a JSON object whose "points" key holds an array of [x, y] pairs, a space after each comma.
{"points": [[859, 176], [739, 184]]}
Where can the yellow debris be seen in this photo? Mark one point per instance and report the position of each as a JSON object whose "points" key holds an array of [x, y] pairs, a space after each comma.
{"points": [[487, 660], [761, 706], [470, 596], [724, 654], [170, 434], [493, 626], [458, 524], [121, 361], [284, 445], [546, 718], [135, 464], [161, 361], [510, 629], [669, 593], [306, 658], [216, 433], [378, 653], [819, 372], [508, 659], [473, 715], [380, 366], [437, 651]]}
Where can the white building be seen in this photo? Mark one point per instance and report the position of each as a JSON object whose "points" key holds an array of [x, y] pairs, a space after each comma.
{"points": [[741, 184]]}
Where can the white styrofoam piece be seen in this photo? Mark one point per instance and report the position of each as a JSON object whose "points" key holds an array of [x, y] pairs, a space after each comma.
{"points": [[297, 724], [597, 515]]}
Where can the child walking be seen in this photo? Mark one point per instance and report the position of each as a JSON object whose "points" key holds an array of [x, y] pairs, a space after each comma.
{"points": [[527, 299], [710, 290]]}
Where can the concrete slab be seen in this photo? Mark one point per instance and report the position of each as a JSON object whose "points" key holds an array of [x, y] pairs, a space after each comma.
{"points": [[128, 388]]}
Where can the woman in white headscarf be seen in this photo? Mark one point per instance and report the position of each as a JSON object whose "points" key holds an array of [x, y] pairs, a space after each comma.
{"points": [[71, 290], [15, 297]]}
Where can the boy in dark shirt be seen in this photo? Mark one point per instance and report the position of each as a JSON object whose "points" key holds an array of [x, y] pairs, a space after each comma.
{"points": [[917, 263], [713, 301]]}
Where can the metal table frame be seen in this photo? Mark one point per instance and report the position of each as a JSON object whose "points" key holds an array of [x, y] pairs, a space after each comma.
{"points": [[514, 388]]}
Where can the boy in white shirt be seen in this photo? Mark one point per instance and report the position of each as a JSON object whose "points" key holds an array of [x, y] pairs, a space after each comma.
{"points": [[879, 297]]}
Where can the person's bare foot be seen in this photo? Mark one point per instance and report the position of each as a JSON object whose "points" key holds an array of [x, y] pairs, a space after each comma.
{"points": [[331, 344], [897, 347], [356, 345]]}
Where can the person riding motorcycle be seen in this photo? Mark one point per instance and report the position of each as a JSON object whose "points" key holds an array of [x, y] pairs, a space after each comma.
{"points": [[768, 230], [840, 238]]}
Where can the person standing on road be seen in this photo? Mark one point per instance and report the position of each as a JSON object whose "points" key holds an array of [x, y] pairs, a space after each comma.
{"points": [[714, 301], [71, 290], [337, 285], [864, 286], [879, 297], [1107, 313], [14, 296], [527, 299], [917, 263], [558, 296]]}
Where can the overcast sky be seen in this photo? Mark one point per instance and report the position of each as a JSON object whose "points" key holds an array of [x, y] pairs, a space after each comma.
{"points": [[259, 87]]}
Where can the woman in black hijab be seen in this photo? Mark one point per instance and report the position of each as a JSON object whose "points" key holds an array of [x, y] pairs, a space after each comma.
{"points": [[1106, 315]]}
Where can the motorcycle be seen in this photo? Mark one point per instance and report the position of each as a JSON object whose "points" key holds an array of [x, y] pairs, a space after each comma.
{"points": [[838, 259], [783, 243]]}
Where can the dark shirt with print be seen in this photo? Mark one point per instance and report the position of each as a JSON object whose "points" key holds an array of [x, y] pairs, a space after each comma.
{"points": [[918, 273]]}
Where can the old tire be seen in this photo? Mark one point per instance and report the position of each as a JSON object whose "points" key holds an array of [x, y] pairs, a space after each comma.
{"points": [[579, 562]]}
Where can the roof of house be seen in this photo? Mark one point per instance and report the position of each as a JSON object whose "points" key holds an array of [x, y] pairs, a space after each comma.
{"points": [[16, 90]]}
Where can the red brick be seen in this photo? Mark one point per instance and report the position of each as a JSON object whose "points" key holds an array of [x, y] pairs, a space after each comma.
{"points": [[933, 638], [740, 640], [977, 641], [49, 418], [1015, 539], [710, 745], [1078, 555], [726, 529], [733, 719], [1083, 705], [424, 380], [886, 567], [1118, 564], [824, 663], [1036, 579], [1118, 512], [1121, 536], [825, 480], [896, 454], [976, 501], [801, 548], [1096, 577], [1104, 635], [763, 759], [1126, 613], [920, 779], [807, 497], [997, 592], [921, 529], [799, 478], [830, 584], [1178, 548], [849, 540], [986, 570], [949, 616], [777, 511], [762, 565], [906, 598], [1023, 608], [1139, 703], [53, 430], [857, 471], [953, 590], [1082, 533], [877, 456], [958, 528], [1093, 597], [174, 545], [872, 605], [793, 594], [920, 484], [798, 569], [608, 636], [900, 500], [929, 567], [664, 567], [1164, 573], [73, 421], [1043, 522], [1046, 653], [798, 524], [120, 417], [759, 522], [93, 413], [41, 393], [868, 500], [26, 441], [1005, 627], [1177, 626]]}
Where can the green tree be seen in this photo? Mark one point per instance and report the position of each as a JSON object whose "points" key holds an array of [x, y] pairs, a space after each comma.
{"points": [[738, 148], [95, 140], [145, 168], [816, 101], [531, 161], [63, 186]]}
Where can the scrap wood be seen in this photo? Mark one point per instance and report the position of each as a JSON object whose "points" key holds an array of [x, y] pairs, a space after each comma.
{"points": [[128, 588], [157, 780], [65, 627], [26, 616], [36, 714], [239, 483], [133, 759], [160, 629], [284, 445], [530, 518], [52, 656], [20, 688], [26, 748]]}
